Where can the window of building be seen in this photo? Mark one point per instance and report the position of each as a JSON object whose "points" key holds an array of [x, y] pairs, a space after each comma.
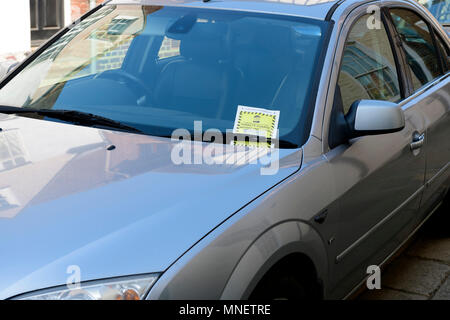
{"points": [[47, 18], [12, 150]]}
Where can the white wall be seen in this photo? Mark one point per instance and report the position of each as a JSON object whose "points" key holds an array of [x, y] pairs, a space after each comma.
{"points": [[67, 12], [15, 35]]}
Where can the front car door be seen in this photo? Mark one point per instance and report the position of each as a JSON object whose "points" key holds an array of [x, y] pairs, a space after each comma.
{"points": [[379, 179]]}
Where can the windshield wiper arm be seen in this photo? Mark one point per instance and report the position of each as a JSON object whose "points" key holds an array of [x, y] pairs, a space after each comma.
{"points": [[73, 116]]}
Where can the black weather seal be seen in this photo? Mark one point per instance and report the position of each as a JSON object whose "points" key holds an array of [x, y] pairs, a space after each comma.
{"points": [[332, 10]]}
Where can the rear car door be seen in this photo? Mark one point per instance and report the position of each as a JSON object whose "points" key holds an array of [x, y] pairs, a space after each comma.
{"points": [[427, 66], [379, 179]]}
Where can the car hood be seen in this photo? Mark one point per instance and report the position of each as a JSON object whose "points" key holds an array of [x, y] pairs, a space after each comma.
{"points": [[66, 200]]}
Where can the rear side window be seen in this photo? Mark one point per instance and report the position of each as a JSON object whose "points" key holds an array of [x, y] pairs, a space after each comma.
{"points": [[418, 46], [440, 9], [368, 68]]}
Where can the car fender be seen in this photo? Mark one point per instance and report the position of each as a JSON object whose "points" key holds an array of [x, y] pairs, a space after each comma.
{"points": [[276, 243]]}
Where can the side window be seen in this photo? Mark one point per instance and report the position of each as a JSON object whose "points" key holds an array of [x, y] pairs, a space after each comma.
{"points": [[368, 68], [418, 46], [169, 48]]}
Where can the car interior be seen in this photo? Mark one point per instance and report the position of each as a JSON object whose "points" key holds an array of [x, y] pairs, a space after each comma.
{"points": [[219, 61]]}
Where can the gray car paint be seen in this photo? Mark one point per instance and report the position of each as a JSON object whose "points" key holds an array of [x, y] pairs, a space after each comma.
{"points": [[76, 203], [376, 173], [219, 238]]}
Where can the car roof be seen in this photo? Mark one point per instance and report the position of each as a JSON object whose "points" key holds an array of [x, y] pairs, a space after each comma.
{"points": [[316, 9]]}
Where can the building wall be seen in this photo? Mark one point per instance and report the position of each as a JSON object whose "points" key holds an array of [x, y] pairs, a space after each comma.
{"points": [[80, 7], [14, 27], [15, 34]]}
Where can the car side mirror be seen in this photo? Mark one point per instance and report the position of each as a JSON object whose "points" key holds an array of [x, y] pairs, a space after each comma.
{"points": [[371, 117]]}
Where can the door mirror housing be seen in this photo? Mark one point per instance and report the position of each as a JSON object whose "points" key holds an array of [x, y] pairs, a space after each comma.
{"points": [[371, 117]]}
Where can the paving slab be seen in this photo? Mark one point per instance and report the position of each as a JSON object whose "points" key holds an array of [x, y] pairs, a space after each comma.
{"points": [[414, 275], [390, 294], [444, 291], [434, 249]]}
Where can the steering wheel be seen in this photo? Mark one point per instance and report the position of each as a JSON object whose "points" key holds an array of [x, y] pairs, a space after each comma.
{"points": [[135, 84]]}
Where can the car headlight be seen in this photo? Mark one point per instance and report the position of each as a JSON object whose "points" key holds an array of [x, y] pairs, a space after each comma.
{"points": [[128, 288]]}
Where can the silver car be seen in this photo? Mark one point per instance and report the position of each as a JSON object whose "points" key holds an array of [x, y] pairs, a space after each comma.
{"points": [[222, 149]]}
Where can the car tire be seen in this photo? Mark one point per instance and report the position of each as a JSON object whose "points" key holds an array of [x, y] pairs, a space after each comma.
{"points": [[281, 288]]}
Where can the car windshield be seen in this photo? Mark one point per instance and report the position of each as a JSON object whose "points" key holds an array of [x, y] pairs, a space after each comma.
{"points": [[158, 69], [440, 9]]}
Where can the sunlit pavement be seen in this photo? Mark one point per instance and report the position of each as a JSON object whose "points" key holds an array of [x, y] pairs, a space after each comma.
{"points": [[422, 271]]}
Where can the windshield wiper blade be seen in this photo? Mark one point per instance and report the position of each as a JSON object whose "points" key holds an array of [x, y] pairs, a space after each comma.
{"points": [[73, 116]]}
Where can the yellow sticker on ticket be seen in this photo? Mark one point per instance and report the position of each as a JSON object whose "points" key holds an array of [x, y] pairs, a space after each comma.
{"points": [[256, 121]]}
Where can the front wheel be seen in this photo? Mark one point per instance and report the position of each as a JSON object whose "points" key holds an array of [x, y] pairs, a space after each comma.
{"points": [[283, 287]]}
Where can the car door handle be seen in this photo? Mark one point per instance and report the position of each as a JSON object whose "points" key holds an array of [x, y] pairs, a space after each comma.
{"points": [[418, 141]]}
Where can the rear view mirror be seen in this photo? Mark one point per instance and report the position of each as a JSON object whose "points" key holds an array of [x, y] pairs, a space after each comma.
{"points": [[370, 117]]}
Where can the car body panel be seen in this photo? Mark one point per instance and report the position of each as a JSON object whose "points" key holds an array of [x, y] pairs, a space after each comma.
{"points": [[434, 101], [397, 201], [380, 182], [240, 223], [64, 204], [310, 9], [225, 264]]}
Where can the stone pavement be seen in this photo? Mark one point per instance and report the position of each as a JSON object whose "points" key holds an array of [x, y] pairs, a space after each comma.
{"points": [[422, 271]]}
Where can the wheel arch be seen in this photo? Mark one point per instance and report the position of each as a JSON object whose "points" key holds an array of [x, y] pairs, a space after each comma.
{"points": [[292, 241]]}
